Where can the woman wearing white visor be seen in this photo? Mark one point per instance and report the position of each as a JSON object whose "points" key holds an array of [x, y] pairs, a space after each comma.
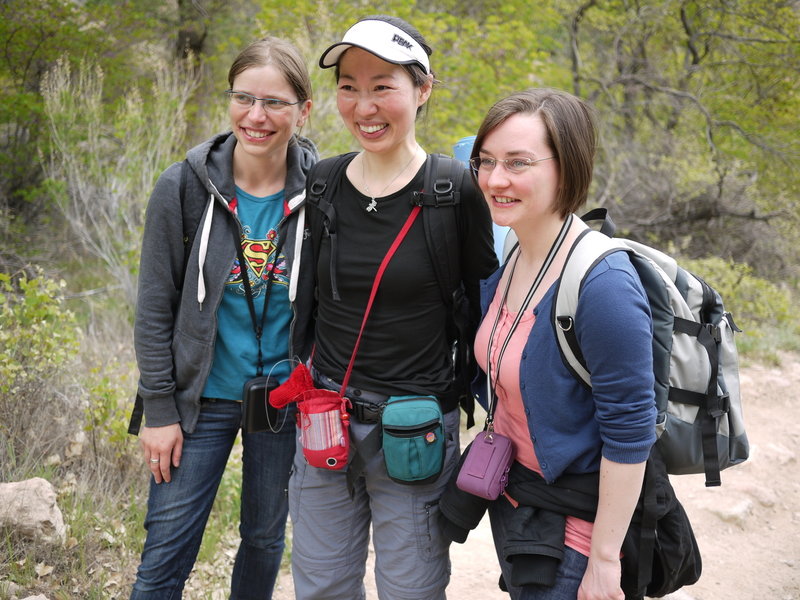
{"points": [[383, 79]]}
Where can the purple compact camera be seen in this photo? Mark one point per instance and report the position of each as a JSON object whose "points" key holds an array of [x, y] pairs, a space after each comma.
{"points": [[484, 471]]}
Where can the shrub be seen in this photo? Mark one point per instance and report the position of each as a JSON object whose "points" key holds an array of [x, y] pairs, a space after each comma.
{"points": [[40, 339], [762, 309], [753, 301], [37, 333], [101, 176]]}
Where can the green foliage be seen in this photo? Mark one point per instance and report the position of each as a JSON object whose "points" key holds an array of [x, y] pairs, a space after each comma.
{"points": [[752, 300], [768, 344], [698, 104], [101, 176], [474, 58], [108, 409], [37, 333], [35, 34]]}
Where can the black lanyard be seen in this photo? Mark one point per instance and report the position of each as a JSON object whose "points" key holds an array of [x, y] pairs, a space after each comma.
{"points": [[258, 328], [551, 255]]}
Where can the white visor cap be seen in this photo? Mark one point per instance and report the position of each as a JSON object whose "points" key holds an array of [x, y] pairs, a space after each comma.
{"points": [[382, 39]]}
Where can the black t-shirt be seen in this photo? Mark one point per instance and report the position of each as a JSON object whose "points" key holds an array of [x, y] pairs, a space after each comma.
{"points": [[404, 347]]}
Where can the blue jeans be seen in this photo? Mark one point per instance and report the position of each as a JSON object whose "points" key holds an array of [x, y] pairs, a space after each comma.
{"points": [[568, 576], [177, 512]]}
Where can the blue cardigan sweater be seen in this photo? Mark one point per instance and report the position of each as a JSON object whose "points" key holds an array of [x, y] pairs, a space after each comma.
{"points": [[572, 426]]}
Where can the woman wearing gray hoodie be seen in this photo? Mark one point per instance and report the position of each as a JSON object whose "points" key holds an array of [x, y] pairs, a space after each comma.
{"points": [[213, 313]]}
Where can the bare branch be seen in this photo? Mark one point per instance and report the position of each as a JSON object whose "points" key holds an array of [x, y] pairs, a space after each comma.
{"points": [[709, 130], [690, 37], [575, 56], [750, 40], [670, 220]]}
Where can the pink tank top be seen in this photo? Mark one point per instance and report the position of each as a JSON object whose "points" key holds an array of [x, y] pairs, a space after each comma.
{"points": [[509, 417]]}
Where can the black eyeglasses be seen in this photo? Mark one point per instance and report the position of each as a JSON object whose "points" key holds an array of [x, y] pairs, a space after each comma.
{"points": [[244, 100], [512, 165]]}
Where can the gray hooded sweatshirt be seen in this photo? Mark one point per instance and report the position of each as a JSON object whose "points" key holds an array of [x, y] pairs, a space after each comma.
{"points": [[176, 313]]}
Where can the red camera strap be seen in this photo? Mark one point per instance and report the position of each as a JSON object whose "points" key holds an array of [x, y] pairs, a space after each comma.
{"points": [[378, 276]]}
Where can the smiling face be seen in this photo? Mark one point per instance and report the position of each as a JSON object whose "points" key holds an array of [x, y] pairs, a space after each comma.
{"points": [[378, 101], [262, 134], [515, 199]]}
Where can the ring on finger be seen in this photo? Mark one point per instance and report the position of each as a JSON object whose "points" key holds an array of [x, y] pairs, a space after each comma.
{"points": [[155, 460]]}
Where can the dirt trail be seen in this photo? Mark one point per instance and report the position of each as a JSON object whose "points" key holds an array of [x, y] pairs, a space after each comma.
{"points": [[748, 529]]}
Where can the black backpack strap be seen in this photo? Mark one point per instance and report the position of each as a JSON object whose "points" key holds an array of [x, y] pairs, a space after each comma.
{"points": [[325, 177], [441, 189], [442, 182], [650, 513], [192, 202], [441, 200], [607, 226], [712, 405], [136, 416]]}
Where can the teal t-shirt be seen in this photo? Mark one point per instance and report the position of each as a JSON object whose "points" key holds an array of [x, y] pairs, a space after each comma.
{"points": [[236, 351]]}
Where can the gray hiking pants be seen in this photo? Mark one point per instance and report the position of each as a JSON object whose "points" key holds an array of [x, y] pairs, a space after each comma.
{"points": [[330, 531]]}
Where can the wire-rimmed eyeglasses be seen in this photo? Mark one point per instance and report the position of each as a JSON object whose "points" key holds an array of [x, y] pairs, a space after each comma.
{"points": [[245, 100], [515, 165]]}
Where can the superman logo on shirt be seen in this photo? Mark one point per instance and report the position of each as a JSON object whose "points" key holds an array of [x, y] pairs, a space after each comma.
{"points": [[261, 260]]}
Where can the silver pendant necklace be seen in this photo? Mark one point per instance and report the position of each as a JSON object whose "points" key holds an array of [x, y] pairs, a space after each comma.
{"points": [[373, 204]]}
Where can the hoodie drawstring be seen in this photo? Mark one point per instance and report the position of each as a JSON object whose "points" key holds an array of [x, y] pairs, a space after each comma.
{"points": [[201, 255], [298, 244]]}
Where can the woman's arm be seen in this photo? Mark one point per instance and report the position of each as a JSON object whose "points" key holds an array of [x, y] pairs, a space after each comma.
{"points": [[622, 389], [160, 278], [620, 485]]}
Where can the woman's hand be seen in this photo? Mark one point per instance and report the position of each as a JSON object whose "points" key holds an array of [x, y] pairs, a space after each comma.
{"points": [[601, 580], [162, 448]]}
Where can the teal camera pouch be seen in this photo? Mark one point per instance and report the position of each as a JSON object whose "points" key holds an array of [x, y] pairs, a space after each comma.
{"points": [[413, 439]]}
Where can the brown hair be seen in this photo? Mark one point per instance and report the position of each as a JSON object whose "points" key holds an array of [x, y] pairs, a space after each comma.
{"points": [[571, 136], [275, 51]]}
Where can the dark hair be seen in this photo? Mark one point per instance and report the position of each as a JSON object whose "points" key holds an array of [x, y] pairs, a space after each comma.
{"points": [[418, 75], [571, 136], [275, 51]]}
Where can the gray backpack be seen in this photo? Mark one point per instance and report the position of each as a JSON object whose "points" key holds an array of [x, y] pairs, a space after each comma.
{"points": [[696, 365]]}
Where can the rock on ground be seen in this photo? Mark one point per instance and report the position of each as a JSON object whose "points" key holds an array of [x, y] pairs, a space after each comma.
{"points": [[29, 508]]}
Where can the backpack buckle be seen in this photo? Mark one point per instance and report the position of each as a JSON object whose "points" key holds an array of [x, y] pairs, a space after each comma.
{"points": [[565, 323], [718, 405], [714, 332], [317, 188], [443, 193], [434, 200]]}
